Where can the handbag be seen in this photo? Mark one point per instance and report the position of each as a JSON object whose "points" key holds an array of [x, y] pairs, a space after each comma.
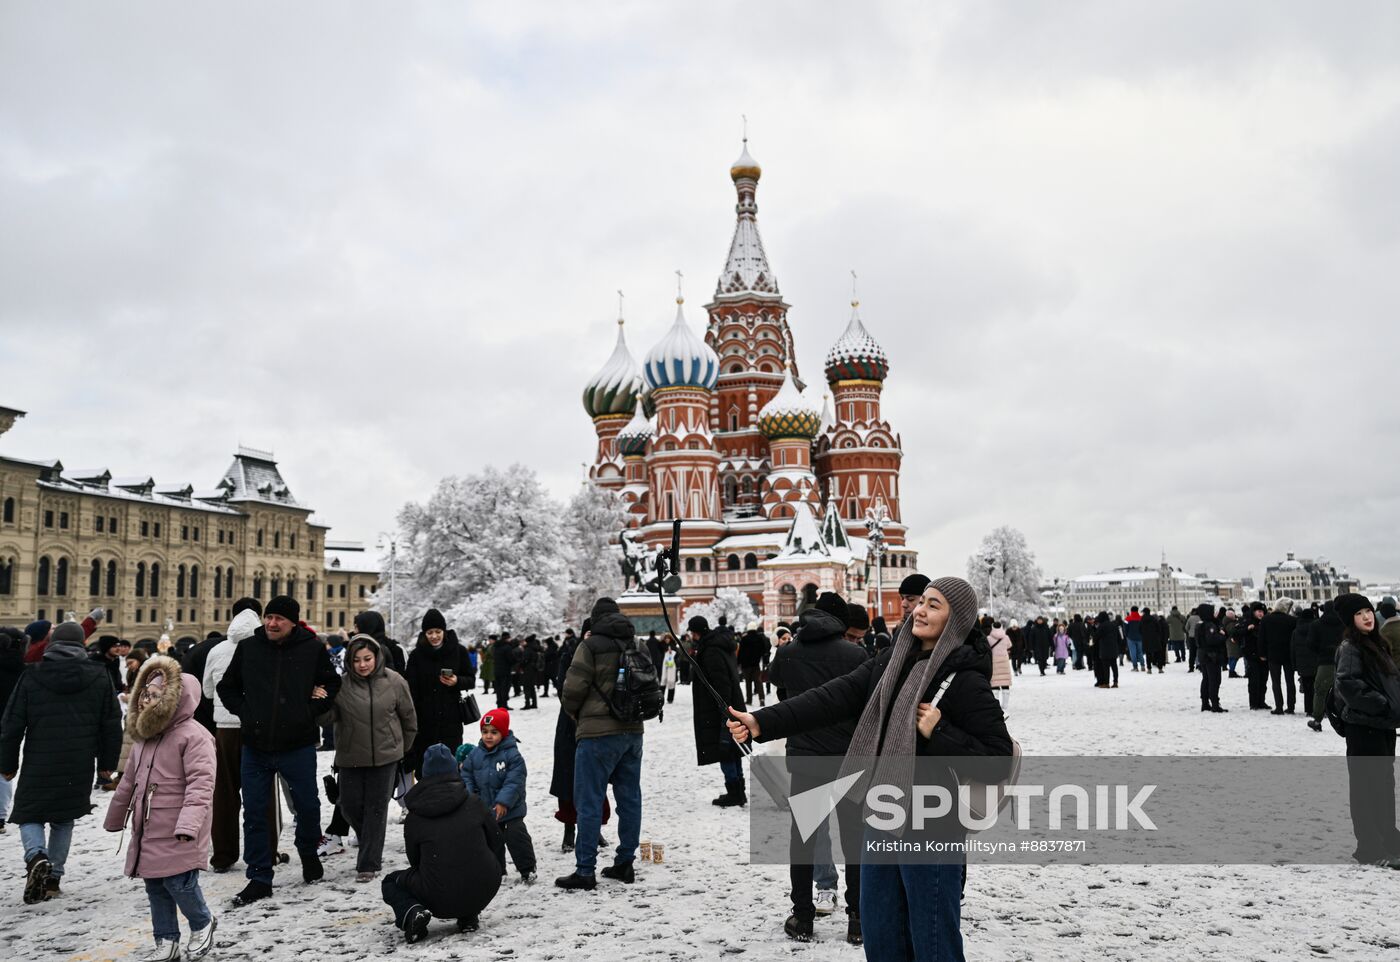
{"points": [[977, 794], [468, 710]]}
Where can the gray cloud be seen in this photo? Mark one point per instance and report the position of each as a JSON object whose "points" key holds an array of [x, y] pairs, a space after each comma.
{"points": [[1134, 264]]}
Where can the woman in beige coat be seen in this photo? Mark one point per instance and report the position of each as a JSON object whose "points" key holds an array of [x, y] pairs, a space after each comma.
{"points": [[374, 726], [1000, 644]]}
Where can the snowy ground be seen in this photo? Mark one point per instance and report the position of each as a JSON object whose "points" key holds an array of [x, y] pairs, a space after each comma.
{"points": [[705, 902]]}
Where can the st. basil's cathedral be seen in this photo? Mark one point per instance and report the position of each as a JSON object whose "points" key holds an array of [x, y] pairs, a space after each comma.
{"points": [[776, 492]]}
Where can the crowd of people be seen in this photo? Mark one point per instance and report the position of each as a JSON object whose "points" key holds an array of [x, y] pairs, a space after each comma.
{"points": [[199, 747]]}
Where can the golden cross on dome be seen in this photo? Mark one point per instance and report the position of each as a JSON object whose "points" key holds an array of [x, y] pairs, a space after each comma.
{"points": [[680, 299], [855, 301], [619, 309]]}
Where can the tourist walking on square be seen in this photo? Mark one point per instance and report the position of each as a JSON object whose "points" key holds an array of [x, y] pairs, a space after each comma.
{"points": [[166, 802], [65, 714]]}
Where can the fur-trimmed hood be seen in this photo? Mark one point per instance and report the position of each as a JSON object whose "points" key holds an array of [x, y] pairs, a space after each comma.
{"points": [[177, 702]]}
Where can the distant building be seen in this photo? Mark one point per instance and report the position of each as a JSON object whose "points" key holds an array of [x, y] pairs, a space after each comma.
{"points": [[352, 577], [1120, 589], [1226, 589], [1306, 580], [163, 559]]}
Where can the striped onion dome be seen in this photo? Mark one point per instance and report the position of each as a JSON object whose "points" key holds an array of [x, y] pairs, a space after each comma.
{"points": [[856, 356], [632, 439], [789, 414], [680, 359], [614, 388]]}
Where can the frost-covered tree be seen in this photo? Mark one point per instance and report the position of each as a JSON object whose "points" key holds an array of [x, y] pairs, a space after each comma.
{"points": [[731, 603], [488, 539], [514, 605], [1007, 579], [592, 522]]}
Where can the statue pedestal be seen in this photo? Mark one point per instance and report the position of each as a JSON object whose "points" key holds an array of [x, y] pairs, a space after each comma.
{"points": [[646, 613]]}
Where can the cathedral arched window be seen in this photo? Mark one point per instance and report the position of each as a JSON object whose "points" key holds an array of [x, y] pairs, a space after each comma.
{"points": [[689, 564], [750, 561], [111, 579], [194, 581], [155, 579], [731, 491], [45, 572], [141, 579], [732, 562], [747, 486], [60, 578], [95, 578], [704, 564], [219, 581]]}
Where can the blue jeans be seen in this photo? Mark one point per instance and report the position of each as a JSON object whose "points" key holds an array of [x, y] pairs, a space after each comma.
{"points": [[298, 770], [823, 868], [1135, 651], [31, 835], [615, 759], [7, 792], [176, 891], [910, 912], [733, 769]]}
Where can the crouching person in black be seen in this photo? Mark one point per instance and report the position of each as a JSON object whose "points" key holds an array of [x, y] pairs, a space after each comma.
{"points": [[456, 855]]}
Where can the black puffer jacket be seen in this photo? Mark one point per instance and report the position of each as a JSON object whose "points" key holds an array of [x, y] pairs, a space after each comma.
{"points": [[372, 623], [818, 653], [12, 646], [268, 686], [67, 716], [716, 656], [1325, 636], [1304, 658], [439, 717], [455, 851], [1368, 696]]}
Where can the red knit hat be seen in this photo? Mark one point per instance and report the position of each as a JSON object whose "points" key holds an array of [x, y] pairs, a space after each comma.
{"points": [[499, 719]]}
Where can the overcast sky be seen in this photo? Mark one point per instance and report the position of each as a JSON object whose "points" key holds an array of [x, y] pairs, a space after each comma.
{"points": [[1136, 265]]}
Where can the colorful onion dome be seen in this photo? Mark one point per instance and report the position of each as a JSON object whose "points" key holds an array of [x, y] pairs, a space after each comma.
{"points": [[632, 439], [856, 356], [745, 166], [614, 388], [789, 414], [680, 359]]}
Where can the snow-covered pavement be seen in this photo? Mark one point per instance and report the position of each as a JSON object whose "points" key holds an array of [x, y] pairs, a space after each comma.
{"points": [[706, 902]]}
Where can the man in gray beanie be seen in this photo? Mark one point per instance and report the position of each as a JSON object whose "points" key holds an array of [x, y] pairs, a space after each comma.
{"points": [[66, 714]]}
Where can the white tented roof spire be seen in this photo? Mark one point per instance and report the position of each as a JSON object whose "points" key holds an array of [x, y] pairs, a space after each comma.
{"points": [[746, 270]]}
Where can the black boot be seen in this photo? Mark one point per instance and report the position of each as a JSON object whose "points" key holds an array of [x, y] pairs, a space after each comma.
{"points": [[576, 881], [37, 878], [799, 930], [568, 838], [622, 872], [252, 892], [311, 870], [415, 924], [734, 794], [469, 923], [853, 934]]}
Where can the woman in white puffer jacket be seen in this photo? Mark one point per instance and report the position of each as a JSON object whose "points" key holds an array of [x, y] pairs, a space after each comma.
{"points": [[228, 743]]}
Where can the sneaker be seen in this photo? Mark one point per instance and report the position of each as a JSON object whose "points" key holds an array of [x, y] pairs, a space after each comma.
{"points": [[415, 924], [330, 845], [585, 883], [311, 869], [469, 924], [853, 933], [201, 940], [252, 892], [37, 878], [51, 888], [825, 901], [365, 877], [164, 951], [1314, 724], [624, 872], [529, 878], [352, 840], [799, 930]]}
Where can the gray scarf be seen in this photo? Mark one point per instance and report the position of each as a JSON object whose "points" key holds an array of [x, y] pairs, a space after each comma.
{"points": [[899, 746]]}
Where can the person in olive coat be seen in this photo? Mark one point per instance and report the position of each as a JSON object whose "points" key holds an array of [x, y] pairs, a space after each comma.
{"points": [[716, 655], [438, 671], [65, 713]]}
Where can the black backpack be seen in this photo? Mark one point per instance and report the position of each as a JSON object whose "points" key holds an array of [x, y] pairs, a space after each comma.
{"points": [[1334, 712], [638, 695]]}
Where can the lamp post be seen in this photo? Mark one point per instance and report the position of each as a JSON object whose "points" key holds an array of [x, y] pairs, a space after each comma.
{"points": [[876, 517], [393, 570], [991, 586]]}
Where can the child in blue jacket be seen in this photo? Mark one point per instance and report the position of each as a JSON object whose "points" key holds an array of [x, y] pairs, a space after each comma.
{"points": [[495, 771]]}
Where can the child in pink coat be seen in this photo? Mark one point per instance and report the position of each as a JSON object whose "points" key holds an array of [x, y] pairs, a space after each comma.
{"points": [[166, 799]]}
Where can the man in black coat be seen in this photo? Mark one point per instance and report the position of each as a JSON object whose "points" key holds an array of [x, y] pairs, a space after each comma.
{"points": [[1324, 638], [505, 656], [456, 854], [193, 665], [372, 623], [1211, 655], [1251, 646], [1276, 646], [278, 682], [716, 657], [66, 714], [753, 655], [1304, 661], [1079, 634], [551, 664], [1154, 640], [439, 670], [1039, 637], [816, 655], [531, 665]]}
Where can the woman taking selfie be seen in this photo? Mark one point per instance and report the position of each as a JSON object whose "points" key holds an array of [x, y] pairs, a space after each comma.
{"points": [[438, 672], [908, 911]]}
